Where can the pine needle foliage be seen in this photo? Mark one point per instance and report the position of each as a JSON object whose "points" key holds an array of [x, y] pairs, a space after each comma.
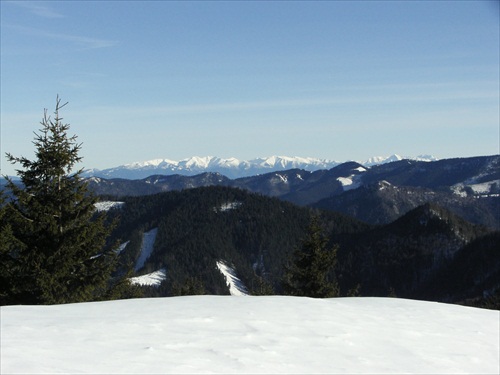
{"points": [[61, 254], [308, 274], [8, 246]]}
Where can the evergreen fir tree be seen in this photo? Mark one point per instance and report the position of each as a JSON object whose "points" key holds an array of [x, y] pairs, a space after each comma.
{"points": [[308, 273], [8, 244], [60, 256], [263, 288], [191, 287]]}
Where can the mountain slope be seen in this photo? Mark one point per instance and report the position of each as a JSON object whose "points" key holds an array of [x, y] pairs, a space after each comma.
{"points": [[470, 187], [402, 257], [198, 228], [382, 202], [232, 167], [254, 235]]}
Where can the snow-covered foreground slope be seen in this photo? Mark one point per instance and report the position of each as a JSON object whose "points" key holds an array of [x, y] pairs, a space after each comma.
{"points": [[223, 334]]}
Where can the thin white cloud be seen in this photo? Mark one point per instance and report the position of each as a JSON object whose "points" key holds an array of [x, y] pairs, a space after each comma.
{"points": [[82, 42], [351, 99], [37, 9]]}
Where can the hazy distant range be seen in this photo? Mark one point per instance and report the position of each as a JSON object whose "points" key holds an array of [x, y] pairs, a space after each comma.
{"points": [[231, 167]]}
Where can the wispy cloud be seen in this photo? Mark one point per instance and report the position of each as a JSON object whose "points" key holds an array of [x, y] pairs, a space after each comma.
{"points": [[37, 9], [82, 42], [352, 99]]}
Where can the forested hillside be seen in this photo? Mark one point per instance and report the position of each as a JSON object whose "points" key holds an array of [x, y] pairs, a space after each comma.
{"points": [[256, 235], [198, 227], [469, 187]]}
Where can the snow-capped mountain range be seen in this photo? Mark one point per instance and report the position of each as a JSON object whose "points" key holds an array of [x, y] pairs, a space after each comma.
{"points": [[231, 167]]}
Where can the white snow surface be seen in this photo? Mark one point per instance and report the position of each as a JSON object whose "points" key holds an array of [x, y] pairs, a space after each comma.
{"points": [[147, 246], [376, 160], [107, 205], [151, 279], [479, 189], [349, 183], [228, 206], [236, 287], [236, 335]]}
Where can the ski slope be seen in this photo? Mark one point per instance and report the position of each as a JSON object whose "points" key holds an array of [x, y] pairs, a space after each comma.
{"points": [[236, 335]]}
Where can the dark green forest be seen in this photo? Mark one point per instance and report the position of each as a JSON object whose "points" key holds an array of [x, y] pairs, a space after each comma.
{"points": [[417, 256], [256, 235]]}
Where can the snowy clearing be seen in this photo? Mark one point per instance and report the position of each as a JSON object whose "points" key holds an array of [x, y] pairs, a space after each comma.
{"points": [[350, 183], [228, 206], [107, 205], [234, 335], [147, 246], [236, 287], [151, 279], [479, 189]]}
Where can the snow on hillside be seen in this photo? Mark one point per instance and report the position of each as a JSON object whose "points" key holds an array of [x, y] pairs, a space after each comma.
{"points": [[236, 287], [107, 205], [122, 247], [349, 183], [483, 189], [147, 246], [236, 335], [151, 279], [228, 206]]}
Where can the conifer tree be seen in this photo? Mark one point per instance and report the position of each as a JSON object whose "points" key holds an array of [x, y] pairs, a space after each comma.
{"points": [[8, 245], [308, 273], [60, 254], [263, 288]]}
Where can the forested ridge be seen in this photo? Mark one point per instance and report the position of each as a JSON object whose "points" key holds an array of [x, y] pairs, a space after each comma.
{"points": [[198, 227], [257, 235]]}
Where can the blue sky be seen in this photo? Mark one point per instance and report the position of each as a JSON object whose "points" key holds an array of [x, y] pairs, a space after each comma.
{"points": [[329, 79]]}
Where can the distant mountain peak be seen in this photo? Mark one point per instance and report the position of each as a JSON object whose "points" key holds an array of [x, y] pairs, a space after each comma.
{"points": [[376, 160], [230, 167]]}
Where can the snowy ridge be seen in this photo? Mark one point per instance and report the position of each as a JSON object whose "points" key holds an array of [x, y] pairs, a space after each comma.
{"points": [[256, 335], [231, 167], [376, 160]]}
